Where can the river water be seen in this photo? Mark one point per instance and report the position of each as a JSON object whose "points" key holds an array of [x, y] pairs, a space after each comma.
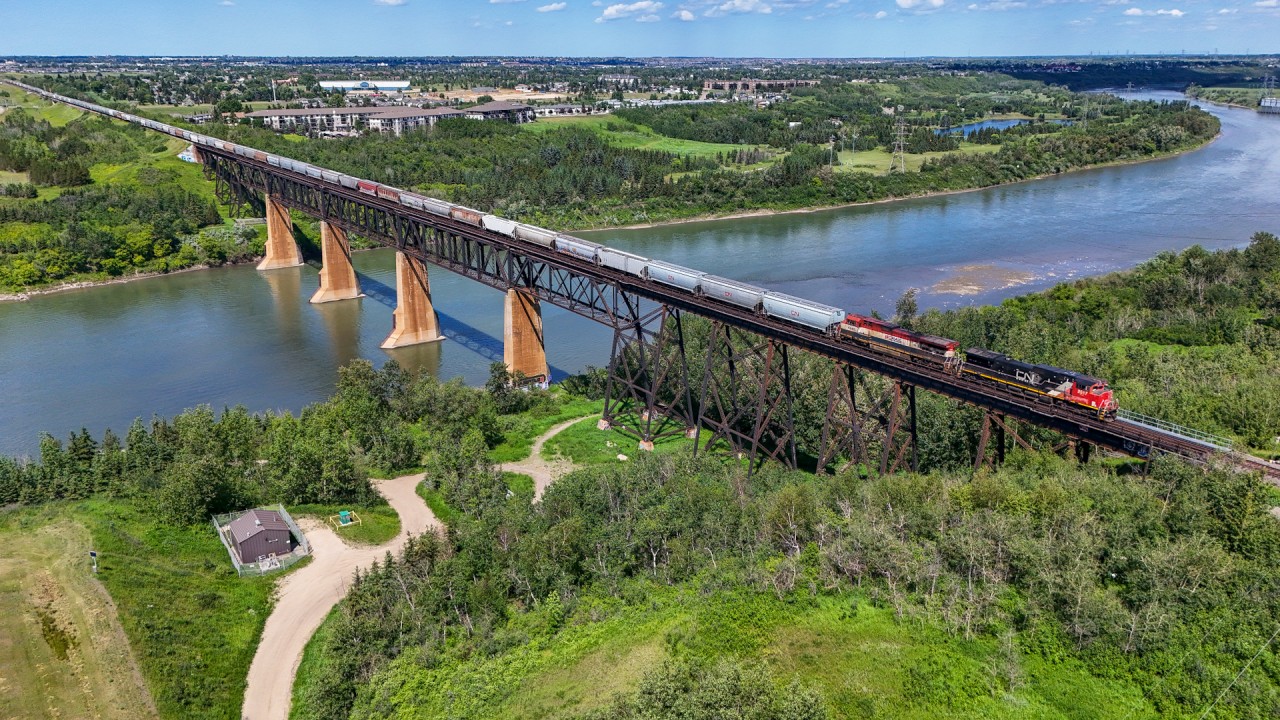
{"points": [[102, 356]]}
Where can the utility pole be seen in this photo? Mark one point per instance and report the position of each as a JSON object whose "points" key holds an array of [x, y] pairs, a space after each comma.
{"points": [[899, 162]]}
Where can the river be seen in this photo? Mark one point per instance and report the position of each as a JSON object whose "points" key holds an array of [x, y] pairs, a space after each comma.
{"points": [[102, 356]]}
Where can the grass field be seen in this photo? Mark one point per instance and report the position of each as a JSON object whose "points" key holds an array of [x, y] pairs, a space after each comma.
{"points": [[879, 161], [585, 444], [637, 136], [193, 623], [378, 524], [57, 114], [63, 652], [180, 110], [523, 430]]}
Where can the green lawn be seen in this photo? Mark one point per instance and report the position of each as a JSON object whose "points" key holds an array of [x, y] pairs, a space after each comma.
{"points": [[637, 136], [193, 623], [435, 500], [378, 524], [522, 430], [585, 444], [56, 113]]}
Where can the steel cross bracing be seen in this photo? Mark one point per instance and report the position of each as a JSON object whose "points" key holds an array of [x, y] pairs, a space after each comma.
{"points": [[622, 301]]}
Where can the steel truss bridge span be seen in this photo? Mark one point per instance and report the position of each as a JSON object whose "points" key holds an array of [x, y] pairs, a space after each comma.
{"points": [[740, 390]]}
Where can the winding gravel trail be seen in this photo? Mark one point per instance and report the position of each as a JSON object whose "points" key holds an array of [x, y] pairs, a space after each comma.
{"points": [[306, 596], [543, 472]]}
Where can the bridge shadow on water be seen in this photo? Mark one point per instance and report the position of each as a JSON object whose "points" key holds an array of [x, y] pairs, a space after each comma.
{"points": [[453, 328]]}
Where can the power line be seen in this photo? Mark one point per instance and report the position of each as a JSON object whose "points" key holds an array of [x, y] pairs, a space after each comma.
{"points": [[1231, 684]]}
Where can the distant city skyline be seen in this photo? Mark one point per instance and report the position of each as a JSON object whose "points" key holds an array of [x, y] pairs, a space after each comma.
{"points": [[722, 28]]}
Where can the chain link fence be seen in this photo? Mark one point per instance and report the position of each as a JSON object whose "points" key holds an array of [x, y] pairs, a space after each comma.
{"points": [[262, 566]]}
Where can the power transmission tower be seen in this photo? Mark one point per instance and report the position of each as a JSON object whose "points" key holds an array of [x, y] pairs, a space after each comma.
{"points": [[1129, 89], [899, 146]]}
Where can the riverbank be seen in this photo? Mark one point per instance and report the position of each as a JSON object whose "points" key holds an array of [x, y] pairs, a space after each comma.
{"points": [[25, 295], [766, 212]]}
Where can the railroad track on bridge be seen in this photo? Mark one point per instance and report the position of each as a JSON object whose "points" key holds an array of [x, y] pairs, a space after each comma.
{"points": [[646, 319]]}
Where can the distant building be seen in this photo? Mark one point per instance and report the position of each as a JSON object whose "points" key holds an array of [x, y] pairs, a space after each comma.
{"points": [[260, 534], [620, 79], [753, 85], [560, 110], [501, 110], [395, 120], [343, 86], [1269, 105]]}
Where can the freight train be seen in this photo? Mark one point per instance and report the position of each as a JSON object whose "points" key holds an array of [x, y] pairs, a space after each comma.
{"points": [[1078, 391]]}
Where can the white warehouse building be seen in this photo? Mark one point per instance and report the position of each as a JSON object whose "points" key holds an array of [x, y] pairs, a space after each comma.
{"points": [[377, 85]]}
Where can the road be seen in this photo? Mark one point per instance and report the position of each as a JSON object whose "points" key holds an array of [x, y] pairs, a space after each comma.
{"points": [[307, 595]]}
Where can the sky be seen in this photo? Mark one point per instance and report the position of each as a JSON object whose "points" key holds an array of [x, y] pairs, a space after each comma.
{"points": [[726, 28]]}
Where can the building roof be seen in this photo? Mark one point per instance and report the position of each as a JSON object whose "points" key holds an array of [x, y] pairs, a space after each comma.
{"points": [[364, 84], [314, 111], [408, 112], [498, 106], [254, 522], [373, 112]]}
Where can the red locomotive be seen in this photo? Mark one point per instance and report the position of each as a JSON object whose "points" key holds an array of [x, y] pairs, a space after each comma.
{"points": [[1086, 393]]}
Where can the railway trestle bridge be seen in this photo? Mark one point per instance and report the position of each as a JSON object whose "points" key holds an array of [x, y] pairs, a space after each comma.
{"points": [[735, 387]]}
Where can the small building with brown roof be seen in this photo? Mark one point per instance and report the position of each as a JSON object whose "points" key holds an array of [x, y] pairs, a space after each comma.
{"points": [[501, 110], [260, 533]]}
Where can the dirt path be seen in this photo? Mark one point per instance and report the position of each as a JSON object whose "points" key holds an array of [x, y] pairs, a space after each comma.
{"points": [[307, 596], [543, 472]]}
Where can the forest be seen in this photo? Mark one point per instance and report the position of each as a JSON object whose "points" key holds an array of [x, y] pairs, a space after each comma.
{"points": [[1029, 590], [148, 218]]}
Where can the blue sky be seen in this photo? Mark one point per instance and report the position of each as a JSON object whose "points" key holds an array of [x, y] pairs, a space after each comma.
{"points": [[772, 28]]}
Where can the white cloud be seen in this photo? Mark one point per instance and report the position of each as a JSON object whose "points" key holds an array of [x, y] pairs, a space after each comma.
{"points": [[619, 11], [1135, 12], [684, 15], [1266, 3], [226, 3], [648, 18], [998, 5], [881, 15], [739, 6], [836, 3], [553, 7], [1228, 11], [920, 4], [390, 3]]}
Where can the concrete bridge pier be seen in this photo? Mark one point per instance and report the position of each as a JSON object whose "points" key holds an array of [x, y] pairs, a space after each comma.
{"points": [[281, 250], [415, 320], [337, 276], [523, 347]]}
